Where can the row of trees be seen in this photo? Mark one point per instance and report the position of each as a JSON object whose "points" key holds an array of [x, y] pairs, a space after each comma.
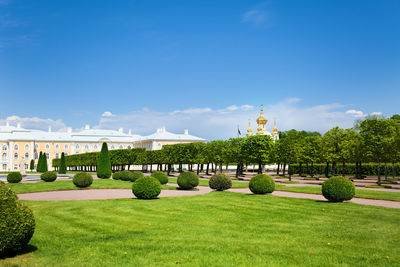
{"points": [[374, 139]]}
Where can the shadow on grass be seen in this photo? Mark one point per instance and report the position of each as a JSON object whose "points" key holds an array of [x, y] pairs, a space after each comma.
{"points": [[26, 249]]}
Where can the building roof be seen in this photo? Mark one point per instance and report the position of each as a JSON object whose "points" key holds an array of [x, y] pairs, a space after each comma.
{"points": [[12, 133]]}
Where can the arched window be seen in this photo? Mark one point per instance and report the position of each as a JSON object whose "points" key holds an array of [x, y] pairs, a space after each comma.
{"points": [[86, 146], [57, 155], [57, 146], [112, 147], [65, 146], [36, 146], [77, 146], [47, 155], [121, 147], [36, 155], [47, 146], [95, 146], [26, 147], [4, 148], [65, 153], [15, 155], [4, 157], [15, 147], [26, 155]]}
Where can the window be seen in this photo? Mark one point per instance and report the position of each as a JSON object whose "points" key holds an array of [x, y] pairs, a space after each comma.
{"points": [[77, 146], [65, 153], [36, 146], [112, 147], [57, 146], [26, 155], [4, 167], [26, 147], [95, 146], [4, 148], [15, 166], [47, 155], [36, 155], [86, 146], [77, 152], [4, 156], [47, 146], [129, 147], [26, 166], [15, 155], [15, 147], [65, 146], [57, 155], [121, 147]]}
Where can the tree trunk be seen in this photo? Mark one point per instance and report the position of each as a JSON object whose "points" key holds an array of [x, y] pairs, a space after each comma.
{"points": [[215, 169], [386, 171], [379, 170], [308, 168], [284, 169], [312, 169], [260, 167], [360, 170], [208, 168], [327, 170], [237, 170], [198, 168], [393, 170], [334, 168], [289, 172], [277, 170], [169, 169], [220, 167], [300, 168]]}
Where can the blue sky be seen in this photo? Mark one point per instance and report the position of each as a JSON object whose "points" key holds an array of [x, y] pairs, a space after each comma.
{"points": [[197, 64]]}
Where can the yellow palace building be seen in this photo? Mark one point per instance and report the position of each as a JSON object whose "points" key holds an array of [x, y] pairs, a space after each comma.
{"points": [[18, 144]]}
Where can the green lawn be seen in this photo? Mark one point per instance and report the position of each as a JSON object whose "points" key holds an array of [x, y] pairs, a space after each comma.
{"points": [[217, 229], [359, 192], [68, 185]]}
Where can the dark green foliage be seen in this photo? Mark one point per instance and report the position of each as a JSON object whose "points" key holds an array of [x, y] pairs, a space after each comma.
{"points": [[188, 180], [126, 176], [338, 189], [116, 175], [261, 184], [43, 167], [161, 176], [146, 187], [369, 169], [63, 167], [220, 182], [48, 176], [82, 179], [40, 162], [17, 223], [136, 175], [104, 163], [14, 177], [32, 165]]}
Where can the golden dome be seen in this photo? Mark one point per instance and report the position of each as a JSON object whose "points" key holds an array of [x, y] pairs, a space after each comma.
{"points": [[261, 119]]}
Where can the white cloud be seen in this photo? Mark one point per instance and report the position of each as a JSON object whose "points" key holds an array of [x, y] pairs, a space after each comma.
{"points": [[255, 16], [356, 113], [376, 113], [35, 123], [107, 114]]}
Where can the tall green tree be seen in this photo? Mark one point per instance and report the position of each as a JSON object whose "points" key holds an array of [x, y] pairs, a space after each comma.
{"points": [[377, 136], [44, 163], [62, 169], [40, 163], [258, 148], [104, 163]]}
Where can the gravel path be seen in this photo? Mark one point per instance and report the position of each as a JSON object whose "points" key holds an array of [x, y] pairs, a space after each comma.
{"points": [[89, 194]]}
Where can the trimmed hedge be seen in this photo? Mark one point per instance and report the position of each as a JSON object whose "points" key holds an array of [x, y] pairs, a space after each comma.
{"points": [[160, 176], [220, 182], [146, 188], [136, 175], [369, 169], [338, 189], [188, 180], [261, 184], [17, 223], [82, 179], [126, 176], [116, 175], [48, 176], [14, 177]]}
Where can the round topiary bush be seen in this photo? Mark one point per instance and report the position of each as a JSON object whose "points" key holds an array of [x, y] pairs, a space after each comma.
{"points": [[261, 184], [116, 175], [188, 180], [146, 187], [136, 175], [48, 176], [14, 177], [126, 175], [17, 222], [338, 189], [82, 179], [162, 177], [220, 182]]}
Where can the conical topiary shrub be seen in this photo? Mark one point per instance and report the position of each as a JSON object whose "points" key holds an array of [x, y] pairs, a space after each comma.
{"points": [[44, 162], [63, 167], [39, 164], [32, 165], [104, 163]]}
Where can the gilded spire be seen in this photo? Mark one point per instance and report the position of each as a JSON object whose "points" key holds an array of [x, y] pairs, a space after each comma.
{"points": [[275, 130], [249, 130]]}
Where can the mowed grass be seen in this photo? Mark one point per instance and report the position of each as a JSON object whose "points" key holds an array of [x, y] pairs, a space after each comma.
{"points": [[68, 185], [217, 229]]}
